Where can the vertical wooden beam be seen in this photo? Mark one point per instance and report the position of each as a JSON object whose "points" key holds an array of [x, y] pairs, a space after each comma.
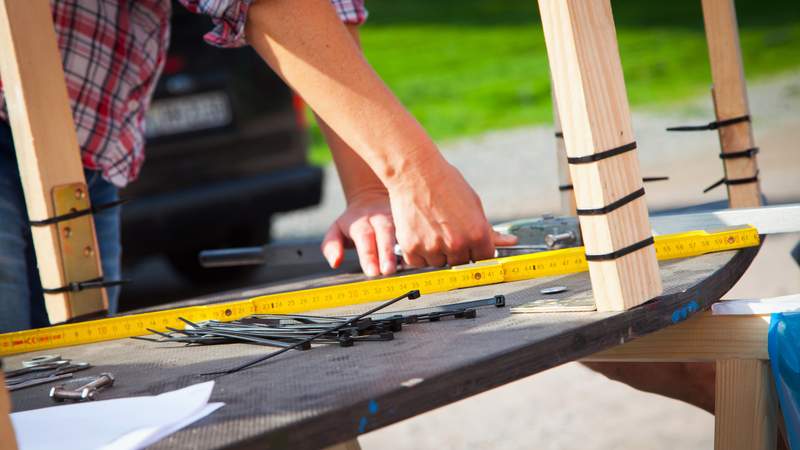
{"points": [[593, 107], [46, 144], [564, 179], [730, 100], [745, 406], [8, 440]]}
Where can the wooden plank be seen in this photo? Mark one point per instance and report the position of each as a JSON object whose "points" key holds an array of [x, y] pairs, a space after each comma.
{"points": [[745, 406], [703, 338], [564, 178], [730, 98], [44, 135], [593, 107], [8, 440]]}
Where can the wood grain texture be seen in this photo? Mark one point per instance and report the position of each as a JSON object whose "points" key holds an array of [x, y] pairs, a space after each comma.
{"points": [[745, 406], [564, 178], [704, 338], [329, 395], [730, 98], [8, 441], [47, 148], [594, 113]]}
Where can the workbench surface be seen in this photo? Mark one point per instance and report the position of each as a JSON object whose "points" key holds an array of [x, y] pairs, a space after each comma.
{"points": [[331, 394]]}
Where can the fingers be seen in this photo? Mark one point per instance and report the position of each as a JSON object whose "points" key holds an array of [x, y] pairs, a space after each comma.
{"points": [[482, 245], [385, 241], [363, 237], [333, 246], [502, 239]]}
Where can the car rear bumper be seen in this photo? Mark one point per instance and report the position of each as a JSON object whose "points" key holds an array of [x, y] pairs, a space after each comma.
{"points": [[196, 214]]}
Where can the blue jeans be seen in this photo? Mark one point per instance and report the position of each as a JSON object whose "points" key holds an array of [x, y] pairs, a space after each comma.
{"points": [[21, 297]]}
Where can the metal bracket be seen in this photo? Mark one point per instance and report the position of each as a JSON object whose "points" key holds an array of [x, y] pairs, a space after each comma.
{"points": [[77, 243]]}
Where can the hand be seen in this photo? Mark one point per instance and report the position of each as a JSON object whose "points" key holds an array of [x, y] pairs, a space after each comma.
{"points": [[440, 220], [367, 225]]}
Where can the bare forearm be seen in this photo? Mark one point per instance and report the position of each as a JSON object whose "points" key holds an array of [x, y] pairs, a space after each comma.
{"points": [[308, 46]]}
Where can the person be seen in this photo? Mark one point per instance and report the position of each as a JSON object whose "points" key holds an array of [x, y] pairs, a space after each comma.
{"points": [[398, 186]]}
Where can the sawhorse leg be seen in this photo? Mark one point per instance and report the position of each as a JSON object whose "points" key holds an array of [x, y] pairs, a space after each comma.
{"points": [[745, 406]]}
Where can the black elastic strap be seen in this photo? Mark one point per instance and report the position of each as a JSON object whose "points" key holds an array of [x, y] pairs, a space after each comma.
{"points": [[88, 284], [611, 206], [602, 155], [569, 187], [75, 214], [621, 252], [749, 153], [560, 134], [728, 182], [711, 125]]}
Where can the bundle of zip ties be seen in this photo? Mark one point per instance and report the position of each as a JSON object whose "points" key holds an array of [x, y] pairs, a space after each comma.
{"points": [[289, 330]]}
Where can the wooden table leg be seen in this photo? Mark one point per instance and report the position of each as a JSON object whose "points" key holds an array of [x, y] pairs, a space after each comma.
{"points": [[48, 156], [8, 440], [745, 406], [593, 107]]}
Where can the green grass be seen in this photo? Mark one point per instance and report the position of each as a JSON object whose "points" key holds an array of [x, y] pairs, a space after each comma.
{"points": [[467, 66]]}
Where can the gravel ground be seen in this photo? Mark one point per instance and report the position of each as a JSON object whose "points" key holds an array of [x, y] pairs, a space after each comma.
{"points": [[568, 407]]}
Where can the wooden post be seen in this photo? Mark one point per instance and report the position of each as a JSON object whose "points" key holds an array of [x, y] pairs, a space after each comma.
{"points": [[48, 155], [8, 440], [730, 101], [745, 406], [564, 179], [593, 107]]}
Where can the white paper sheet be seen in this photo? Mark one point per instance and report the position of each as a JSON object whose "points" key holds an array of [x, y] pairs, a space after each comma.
{"points": [[786, 303], [119, 424]]}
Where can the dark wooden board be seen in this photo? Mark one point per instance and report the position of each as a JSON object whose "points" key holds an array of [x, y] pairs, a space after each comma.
{"points": [[331, 394]]}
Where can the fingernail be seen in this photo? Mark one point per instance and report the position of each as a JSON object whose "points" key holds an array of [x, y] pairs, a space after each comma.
{"points": [[371, 271], [387, 267]]}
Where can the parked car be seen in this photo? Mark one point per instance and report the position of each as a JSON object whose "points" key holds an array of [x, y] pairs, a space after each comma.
{"points": [[226, 149]]}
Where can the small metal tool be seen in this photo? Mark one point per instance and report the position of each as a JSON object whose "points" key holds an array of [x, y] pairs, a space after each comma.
{"points": [[40, 360], [86, 391]]}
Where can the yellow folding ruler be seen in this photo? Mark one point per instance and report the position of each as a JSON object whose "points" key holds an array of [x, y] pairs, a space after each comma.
{"points": [[498, 270]]}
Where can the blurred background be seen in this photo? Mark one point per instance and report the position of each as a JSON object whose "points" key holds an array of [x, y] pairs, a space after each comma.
{"points": [[235, 159]]}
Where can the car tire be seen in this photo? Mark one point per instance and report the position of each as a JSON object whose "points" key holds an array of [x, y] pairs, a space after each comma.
{"points": [[185, 261]]}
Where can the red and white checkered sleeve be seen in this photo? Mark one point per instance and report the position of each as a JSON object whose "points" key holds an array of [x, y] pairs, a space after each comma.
{"points": [[351, 11], [230, 16]]}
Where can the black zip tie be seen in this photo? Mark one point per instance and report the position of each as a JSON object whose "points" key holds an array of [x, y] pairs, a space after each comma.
{"points": [[75, 214], [559, 135], [749, 153], [611, 206], [77, 286], [569, 187], [602, 155], [711, 125], [728, 182], [622, 252], [410, 295]]}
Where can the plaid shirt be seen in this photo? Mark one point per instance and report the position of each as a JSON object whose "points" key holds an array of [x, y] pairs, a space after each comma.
{"points": [[113, 52]]}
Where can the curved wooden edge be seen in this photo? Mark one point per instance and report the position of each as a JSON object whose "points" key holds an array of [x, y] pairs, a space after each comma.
{"points": [[337, 426]]}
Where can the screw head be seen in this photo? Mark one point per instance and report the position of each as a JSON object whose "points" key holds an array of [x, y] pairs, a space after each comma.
{"points": [[88, 251], [80, 194], [66, 232]]}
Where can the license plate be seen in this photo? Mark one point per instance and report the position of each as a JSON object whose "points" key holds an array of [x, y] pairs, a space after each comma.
{"points": [[190, 113]]}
